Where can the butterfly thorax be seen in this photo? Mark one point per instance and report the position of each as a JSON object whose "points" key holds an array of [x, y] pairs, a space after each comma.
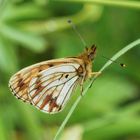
{"points": [[87, 57]]}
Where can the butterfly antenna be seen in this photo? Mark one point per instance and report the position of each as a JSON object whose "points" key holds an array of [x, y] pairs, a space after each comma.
{"points": [[85, 44], [77, 32], [121, 64]]}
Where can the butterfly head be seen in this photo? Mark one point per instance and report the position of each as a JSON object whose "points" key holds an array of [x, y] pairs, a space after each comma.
{"points": [[91, 52]]}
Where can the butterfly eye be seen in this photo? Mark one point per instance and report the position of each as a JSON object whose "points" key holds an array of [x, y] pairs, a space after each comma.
{"points": [[93, 46], [91, 56]]}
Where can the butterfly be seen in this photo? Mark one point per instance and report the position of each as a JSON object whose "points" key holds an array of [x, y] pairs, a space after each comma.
{"points": [[48, 85]]}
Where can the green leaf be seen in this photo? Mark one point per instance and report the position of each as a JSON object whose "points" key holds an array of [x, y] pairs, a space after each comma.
{"points": [[8, 60], [30, 41], [16, 13], [93, 12]]}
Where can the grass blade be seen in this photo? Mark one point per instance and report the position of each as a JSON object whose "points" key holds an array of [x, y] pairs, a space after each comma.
{"points": [[29, 40], [119, 3], [117, 55], [8, 59]]}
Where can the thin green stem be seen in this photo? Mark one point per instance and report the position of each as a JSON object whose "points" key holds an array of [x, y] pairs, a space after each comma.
{"points": [[117, 55], [120, 3], [93, 12]]}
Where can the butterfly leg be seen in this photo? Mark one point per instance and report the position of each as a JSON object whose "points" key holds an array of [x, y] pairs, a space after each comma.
{"points": [[81, 86], [94, 74]]}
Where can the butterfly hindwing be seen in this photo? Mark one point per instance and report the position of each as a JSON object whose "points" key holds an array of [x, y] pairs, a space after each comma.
{"points": [[52, 93]]}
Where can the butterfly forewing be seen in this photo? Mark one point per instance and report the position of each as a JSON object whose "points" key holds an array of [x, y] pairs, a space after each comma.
{"points": [[47, 85]]}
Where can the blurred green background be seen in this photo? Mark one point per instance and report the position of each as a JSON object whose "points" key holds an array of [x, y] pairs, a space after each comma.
{"points": [[32, 31]]}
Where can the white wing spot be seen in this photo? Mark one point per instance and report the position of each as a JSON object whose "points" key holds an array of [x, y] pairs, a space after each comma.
{"points": [[65, 90]]}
